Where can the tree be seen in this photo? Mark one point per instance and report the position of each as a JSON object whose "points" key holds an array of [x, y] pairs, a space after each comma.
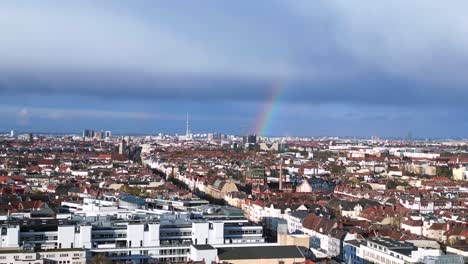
{"points": [[100, 259], [390, 185], [355, 181], [336, 169], [322, 155], [443, 171], [135, 191]]}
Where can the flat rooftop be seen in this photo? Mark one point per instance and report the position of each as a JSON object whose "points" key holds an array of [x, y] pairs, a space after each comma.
{"points": [[262, 252], [203, 247]]}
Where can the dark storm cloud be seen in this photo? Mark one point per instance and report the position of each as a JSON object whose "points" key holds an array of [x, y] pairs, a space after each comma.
{"points": [[374, 89]]}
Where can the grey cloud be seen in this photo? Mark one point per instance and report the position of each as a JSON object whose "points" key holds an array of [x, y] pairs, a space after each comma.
{"points": [[422, 40], [24, 114], [386, 52], [81, 37]]}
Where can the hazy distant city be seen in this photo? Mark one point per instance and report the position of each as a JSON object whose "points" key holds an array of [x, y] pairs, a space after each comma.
{"points": [[233, 132]]}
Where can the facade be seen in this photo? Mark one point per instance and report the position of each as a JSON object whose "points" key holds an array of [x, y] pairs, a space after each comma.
{"points": [[425, 206], [314, 184], [255, 175], [351, 252], [414, 226], [220, 188], [385, 250], [460, 173], [127, 240], [319, 229], [18, 255], [294, 221]]}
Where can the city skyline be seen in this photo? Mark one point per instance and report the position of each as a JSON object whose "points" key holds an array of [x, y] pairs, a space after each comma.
{"points": [[295, 69]]}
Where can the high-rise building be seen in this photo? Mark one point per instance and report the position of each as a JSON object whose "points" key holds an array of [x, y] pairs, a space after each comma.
{"points": [[108, 134], [88, 133], [12, 133], [122, 146], [252, 139], [98, 135]]}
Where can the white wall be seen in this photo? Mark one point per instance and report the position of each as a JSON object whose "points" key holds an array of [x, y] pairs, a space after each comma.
{"points": [[135, 235], [152, 235], [216, 234], [66, 236], [84, 237], [200, 233], [11, 238]]}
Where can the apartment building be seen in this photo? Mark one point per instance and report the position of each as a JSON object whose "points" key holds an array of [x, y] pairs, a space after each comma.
{"points": [[388, 251], [59, 256], [140, 240]]}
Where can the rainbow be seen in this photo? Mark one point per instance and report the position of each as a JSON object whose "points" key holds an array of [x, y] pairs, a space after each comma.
{"points": [[265, 119]]}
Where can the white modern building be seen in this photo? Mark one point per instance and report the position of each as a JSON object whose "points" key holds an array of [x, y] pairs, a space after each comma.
{"points": [[140, 240], [388, 251], [20, 255]]}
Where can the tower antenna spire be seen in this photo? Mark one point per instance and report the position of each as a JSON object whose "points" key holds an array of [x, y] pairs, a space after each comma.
{"points": [[187, 129]]}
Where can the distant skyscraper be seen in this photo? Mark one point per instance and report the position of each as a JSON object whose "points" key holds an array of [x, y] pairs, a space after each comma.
{"points": [[99, 135], [122, 146], [249, 141], [409, 136], [252, 139], [88, 133], [108, 134], [12, 133]]}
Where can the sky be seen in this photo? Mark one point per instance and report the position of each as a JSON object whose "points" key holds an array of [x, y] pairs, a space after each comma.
{"points": [[345, 68]]}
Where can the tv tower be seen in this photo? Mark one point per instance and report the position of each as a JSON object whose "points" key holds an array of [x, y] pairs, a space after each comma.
{"points": [[187, 128]]}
